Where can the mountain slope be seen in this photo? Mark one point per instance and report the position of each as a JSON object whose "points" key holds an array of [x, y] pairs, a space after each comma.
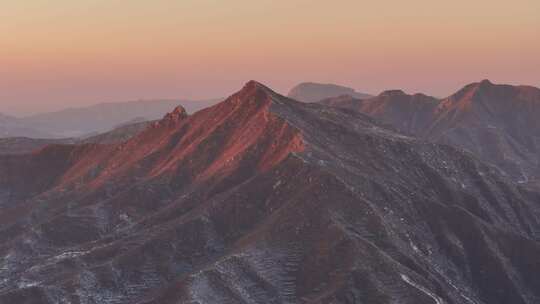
{"points": [[262, 199], [498, 123], [313, 92]]}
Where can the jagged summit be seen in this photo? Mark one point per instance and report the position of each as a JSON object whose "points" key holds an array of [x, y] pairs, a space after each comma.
{"points": [[486, 82], [255, 94], [254, 85], [177, 114], [173, 118], [252, 92]]}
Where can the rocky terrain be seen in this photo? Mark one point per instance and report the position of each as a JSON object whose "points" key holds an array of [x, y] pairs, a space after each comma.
{"points": [[313, 92], [498, 123], [263, 199]]}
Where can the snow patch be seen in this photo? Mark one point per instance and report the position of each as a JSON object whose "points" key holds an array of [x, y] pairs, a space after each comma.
{"points": [[436, 298], [27, 284], [70, 254]]}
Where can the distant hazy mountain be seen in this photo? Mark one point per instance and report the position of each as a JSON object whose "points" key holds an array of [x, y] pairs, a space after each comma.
{"points": [[313, 92], [118, 134], [12, 127], [498, 123], [22, 145], [102, 117]]}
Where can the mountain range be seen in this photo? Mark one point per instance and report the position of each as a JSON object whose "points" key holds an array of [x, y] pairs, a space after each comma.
{"points": [[77, 122], [497, 123], [264, 199], [11, 126], [22, 145]]}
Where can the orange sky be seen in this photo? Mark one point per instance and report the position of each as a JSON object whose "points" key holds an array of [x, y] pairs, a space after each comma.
{"points": [[55, 54]]}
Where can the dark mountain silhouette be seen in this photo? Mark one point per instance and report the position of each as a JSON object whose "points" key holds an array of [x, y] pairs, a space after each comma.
{"points": [[498, 123], [312, 92], [262, 199]]}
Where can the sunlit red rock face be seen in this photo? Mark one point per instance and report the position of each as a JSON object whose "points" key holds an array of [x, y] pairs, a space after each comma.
{"points": [[498, 123], [262, 199]]}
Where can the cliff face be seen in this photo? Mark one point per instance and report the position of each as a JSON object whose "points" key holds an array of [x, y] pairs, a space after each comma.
{"points": [[262, 199]]}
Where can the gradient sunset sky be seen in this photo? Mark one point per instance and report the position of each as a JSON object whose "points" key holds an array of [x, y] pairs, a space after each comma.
{"points": [[61, 53]]}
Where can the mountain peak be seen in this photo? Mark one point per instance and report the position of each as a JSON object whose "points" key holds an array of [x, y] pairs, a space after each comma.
{"points": [[486, 82], [486, 85], [473, 90], [253, 84], [254, 87], [179, 111], [178, 114], [252, 92]]}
